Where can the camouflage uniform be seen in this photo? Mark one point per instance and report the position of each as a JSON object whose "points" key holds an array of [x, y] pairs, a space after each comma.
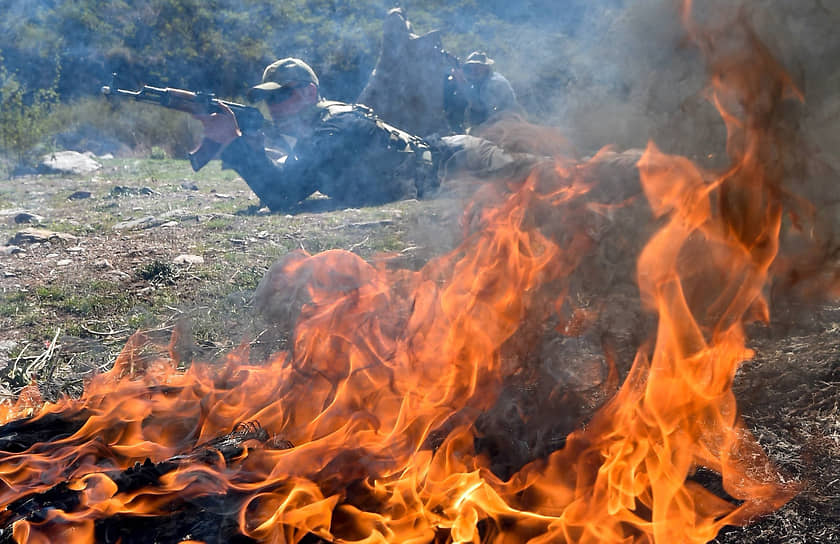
{"points": [[349, 155], [489, 97], [469, 103]]}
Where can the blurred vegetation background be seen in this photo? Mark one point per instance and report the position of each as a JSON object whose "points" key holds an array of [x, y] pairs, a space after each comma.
{"points": [[599, 71], [56, 54]]}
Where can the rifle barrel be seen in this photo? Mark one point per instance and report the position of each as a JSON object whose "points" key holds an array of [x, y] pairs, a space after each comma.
{"points": [[248, 117]]}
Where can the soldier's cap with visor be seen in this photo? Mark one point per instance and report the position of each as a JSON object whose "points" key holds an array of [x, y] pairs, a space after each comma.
{"points": [[283, 74], [479, 57]]}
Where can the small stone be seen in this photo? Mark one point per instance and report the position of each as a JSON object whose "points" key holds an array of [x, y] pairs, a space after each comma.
{"points": [[26, 217], [68, 162], [119, 190], [143, 222], [188, 259], [64, 262], [79, 195], [33, 235], [11, 250], [6, 346]]}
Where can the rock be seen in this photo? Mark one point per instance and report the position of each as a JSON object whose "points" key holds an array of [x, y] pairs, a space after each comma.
{"points": [[11, 250], [6, 348], [142, 223], [33, 235], [64, 262], [178, 215], [79, 195], [68, 162], [118, 274], [26, 217], [188, 259], [119, 190]]}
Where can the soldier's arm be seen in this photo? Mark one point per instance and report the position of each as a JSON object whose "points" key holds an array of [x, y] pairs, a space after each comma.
{"points": [[269, 180], [281, 185], [500, 94]]}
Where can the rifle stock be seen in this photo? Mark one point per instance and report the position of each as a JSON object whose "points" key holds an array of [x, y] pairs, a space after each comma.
{"points": [[248, 118]]}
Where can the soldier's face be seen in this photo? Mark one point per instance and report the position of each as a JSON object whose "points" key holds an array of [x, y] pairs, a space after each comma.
{"points": [[290, 101], [476, 72]]}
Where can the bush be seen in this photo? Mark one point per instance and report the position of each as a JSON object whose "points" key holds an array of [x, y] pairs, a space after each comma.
{"points": [[24, 116]]}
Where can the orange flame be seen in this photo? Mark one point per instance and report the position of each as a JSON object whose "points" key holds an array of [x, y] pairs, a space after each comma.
{"points": [[385, 363]]}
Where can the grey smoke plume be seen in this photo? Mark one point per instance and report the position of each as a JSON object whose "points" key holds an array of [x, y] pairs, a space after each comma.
{"points": [[606, 72], [625, 74]]}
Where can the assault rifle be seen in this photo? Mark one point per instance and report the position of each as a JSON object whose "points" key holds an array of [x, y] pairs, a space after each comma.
{"points": [[248, 118]]}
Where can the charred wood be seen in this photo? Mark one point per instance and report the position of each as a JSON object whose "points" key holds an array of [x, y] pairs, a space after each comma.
{"points": [[19, 435], [211, 518]]}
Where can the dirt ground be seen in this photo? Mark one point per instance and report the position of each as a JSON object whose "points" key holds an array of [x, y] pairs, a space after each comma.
{"points": [[145, 244]]}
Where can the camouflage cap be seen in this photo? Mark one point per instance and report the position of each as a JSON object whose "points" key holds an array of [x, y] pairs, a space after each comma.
{"points": [[479, 57], [281, 73]]}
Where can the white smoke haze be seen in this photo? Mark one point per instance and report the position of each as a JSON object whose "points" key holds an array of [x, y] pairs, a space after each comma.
{"points": [[605, 72], [628, 74]]}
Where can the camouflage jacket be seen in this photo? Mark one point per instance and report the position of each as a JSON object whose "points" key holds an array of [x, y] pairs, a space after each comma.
{"points": [[349, 155], [489, 97]]}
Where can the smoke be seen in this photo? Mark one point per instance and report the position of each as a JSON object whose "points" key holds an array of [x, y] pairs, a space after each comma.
{"points": [[625, 74]]}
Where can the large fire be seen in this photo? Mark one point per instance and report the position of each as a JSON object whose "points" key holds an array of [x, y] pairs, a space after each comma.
{"points": [[364, 430]]}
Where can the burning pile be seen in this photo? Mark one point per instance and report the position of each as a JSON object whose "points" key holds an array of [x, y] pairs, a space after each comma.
{"points": [[369, 428]]}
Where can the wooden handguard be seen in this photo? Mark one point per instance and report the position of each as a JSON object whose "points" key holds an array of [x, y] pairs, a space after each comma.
{"points": [[248, 118], [186, 101]]}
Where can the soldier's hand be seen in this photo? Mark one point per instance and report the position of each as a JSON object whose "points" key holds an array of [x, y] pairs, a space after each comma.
{"points": [[220, 127]]}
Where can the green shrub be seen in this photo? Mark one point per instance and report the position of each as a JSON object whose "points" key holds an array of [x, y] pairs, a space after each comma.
{"points": [[158, 271], [24, 116]]}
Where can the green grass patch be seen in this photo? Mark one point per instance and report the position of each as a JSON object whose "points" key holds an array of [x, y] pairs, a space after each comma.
{"points": [[219, 223], [91, 300]]}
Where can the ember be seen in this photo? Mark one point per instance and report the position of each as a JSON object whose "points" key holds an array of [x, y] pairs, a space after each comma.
{"points": [[369, 428]]}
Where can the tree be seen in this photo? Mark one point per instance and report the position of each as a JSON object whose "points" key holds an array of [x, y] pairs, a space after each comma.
{"points": [[24, 115]]}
